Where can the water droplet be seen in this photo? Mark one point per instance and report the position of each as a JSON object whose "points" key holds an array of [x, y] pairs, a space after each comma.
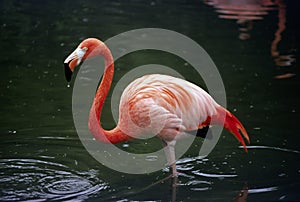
{"points": [[12, 131], [282, 175], [85, 20], [125, 145], [68, 85], [282, 197]]}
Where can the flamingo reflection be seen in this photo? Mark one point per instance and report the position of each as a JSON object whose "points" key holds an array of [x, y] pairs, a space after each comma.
{"points": [[245, 12], [284, 59], [242, 195]]}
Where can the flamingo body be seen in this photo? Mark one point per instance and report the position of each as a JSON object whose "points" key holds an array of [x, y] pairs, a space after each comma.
{"points": [[159, 104], [164, 105]]}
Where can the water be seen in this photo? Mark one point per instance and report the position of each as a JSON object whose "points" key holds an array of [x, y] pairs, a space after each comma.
{"points": [[254, 48]]}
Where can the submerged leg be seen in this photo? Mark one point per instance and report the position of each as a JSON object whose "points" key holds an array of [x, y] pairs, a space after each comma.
{"points": [[169, 148]]}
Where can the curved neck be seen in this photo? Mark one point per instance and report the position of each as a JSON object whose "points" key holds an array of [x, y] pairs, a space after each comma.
{"points": [[115, 135]]}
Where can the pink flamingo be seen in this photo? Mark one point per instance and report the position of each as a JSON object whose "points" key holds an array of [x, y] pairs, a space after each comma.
{"points": [[159, 104]]}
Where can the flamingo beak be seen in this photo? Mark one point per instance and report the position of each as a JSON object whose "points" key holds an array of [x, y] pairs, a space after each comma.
{"points": [[73, 60], [68, 72]]}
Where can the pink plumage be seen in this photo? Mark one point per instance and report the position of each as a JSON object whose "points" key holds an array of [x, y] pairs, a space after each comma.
{"points": [[159, 104]]}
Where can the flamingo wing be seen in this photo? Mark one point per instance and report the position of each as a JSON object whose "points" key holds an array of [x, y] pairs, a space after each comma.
{"points": [[170, 104]]}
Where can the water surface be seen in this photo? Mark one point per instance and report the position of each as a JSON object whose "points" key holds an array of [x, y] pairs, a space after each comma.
{"points": [[253, 44]]}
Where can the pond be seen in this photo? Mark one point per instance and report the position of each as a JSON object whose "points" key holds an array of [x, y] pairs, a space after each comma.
{"points": [[251, 42]]}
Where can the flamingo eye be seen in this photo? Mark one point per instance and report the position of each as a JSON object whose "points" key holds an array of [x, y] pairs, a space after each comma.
{"points": [[85, 48]]}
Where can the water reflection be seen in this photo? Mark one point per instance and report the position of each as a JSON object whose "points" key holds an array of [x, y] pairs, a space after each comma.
{"points": [[286, 58], [272, 148], [245, 12], [242, 195], [202, 186], [40, 180]]}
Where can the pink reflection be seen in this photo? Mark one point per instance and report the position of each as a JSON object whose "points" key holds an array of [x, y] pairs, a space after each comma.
{"points": [[281, 60], [245, 12], [242, 195], [242, 9]]}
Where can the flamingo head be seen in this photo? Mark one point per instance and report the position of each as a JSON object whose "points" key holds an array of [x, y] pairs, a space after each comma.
{"points": [[87, 48]]}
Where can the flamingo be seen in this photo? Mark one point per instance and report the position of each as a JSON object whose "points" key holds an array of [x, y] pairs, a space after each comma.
{"points": [[163, 105]]}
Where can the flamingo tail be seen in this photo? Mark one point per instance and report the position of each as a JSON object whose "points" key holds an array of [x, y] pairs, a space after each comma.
{"points": [[232, 124]]}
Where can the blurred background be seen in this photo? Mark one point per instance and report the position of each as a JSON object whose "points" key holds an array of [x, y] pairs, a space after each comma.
{"points": [[253, 44]]}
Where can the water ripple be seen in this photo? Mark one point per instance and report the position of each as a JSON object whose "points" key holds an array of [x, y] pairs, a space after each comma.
{"points": [[197, 185], [31, 179], [272, 148], [262, 190], [197, 172]]}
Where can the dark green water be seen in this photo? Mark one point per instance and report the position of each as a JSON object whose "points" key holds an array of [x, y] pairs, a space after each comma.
{"points": [[41, 155]]}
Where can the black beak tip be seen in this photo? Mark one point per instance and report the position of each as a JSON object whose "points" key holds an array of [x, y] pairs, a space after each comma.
{"points": [[68, 72]]}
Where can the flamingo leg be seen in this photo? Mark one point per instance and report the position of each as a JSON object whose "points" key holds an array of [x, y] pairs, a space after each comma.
{"points": [[169, 148]]}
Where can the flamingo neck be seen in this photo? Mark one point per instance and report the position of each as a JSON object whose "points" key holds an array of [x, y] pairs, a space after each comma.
{"points": [[108, 136]]}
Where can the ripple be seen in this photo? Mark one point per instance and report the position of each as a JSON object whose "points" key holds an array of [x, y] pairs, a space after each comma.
{"points": [[198, 185], [67, 186], [186, 160], [32, 179], [185, 167], [272, 148], [211, 175], [151, 158], [262, 190]]}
